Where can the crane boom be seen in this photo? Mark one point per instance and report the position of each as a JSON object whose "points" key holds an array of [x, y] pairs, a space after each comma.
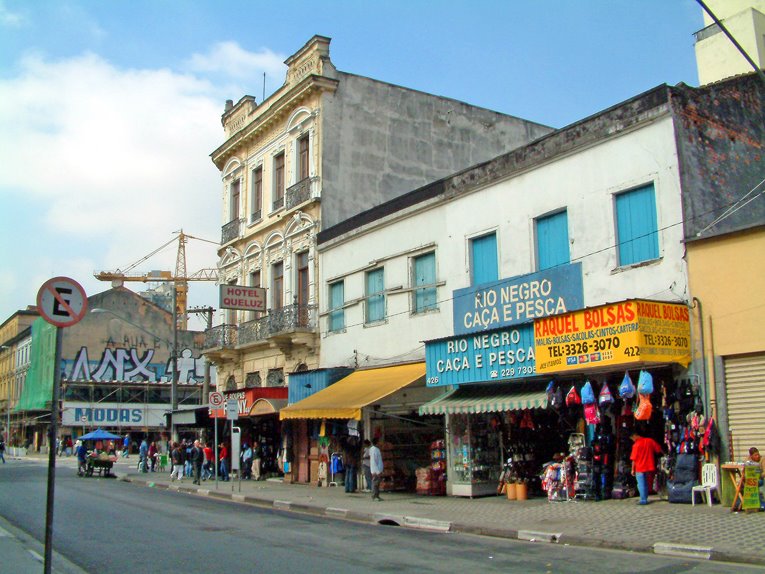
{"points": [[179, 278]]}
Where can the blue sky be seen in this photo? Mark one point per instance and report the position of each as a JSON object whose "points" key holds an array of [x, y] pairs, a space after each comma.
{"points": [[109, 109]]}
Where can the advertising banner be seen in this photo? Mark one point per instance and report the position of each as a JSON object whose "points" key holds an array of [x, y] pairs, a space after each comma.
{"points": [[113, 414], [494, 356], [750, 490], [634, 331], [518, 299]]}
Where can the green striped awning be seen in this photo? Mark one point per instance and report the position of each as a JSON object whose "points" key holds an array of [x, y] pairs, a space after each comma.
{"points": [[470, 399]]}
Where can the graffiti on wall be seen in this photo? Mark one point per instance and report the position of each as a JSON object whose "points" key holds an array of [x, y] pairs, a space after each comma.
{"points": [[130, 364]]}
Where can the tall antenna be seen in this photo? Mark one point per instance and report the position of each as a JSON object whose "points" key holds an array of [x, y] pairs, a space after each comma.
{"points": [[264, 88]]}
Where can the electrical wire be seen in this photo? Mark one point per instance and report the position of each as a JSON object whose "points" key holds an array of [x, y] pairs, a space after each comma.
{"points": [[592, 253]]}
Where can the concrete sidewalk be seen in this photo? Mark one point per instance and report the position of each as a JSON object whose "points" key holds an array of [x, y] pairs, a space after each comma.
{"points": [[702, 532]]}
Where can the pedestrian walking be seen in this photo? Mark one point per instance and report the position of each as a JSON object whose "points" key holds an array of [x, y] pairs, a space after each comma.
{"points": [[153, 456], [2, 450], [197, 458], [82, 457], [126, 446], [376, 468], [177, 457], [223, 462], [366, 465], [187, 446], [643, 457], [257, 458], [246, 457], [207, 469], [143, 455], [350, 459]]}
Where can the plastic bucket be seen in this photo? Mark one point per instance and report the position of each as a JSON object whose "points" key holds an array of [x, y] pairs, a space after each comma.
{"points": [[511, 491], [522, 491]]}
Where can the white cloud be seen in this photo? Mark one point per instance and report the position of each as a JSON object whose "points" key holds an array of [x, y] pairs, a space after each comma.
{"points": [[235, 62], [100, 166], [8, 18], [109, 150]]}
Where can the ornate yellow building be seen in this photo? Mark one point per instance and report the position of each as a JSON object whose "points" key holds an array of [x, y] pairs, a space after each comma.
{"points": [[324, 147]]}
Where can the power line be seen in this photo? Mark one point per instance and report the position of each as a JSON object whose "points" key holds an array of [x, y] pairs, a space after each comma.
{"points": [[592, 253]]}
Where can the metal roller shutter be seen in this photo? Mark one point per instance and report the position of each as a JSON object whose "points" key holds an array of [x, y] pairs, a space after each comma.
{"points": [[745, 389]]}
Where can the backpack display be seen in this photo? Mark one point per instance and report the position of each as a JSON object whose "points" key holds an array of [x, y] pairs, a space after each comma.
{"points": [[592, 414], [644, 409], [605, 397], [645, 383], [572, 398], [588, 395], [626, 389]]}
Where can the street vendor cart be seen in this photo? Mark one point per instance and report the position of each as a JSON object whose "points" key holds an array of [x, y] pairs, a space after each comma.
{"points": [[100, 463]]}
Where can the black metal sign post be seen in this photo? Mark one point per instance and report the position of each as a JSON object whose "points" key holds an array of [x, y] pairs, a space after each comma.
{"points": [[52, 434], [62, 302]]}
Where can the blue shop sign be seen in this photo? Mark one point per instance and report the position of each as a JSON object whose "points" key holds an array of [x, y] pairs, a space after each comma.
{"points": [[480, 357], [519, 299]]}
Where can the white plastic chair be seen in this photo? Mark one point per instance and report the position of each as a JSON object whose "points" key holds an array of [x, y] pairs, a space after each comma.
{"points": [[709, 483]]}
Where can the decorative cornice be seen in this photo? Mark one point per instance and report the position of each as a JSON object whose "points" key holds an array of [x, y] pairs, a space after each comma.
{"points": [[273, 113]]}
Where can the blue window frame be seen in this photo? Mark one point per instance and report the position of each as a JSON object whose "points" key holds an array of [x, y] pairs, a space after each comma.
{"points": [[637, 234], [375, 294], [483, 259], [425, 294], [336, 311], [552, 241]]}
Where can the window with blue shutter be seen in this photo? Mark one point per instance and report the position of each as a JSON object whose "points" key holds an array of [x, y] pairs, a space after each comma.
{"points": [[636, 229], [425, 283], [552, 241], [336, 311], [483, 259], [375, 295]]}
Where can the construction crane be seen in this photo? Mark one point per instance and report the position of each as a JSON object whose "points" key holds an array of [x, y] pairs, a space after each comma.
{"points": [[180, 279]]}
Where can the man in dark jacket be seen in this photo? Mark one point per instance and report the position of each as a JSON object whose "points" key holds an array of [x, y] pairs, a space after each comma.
{"points": [[197, 458]]}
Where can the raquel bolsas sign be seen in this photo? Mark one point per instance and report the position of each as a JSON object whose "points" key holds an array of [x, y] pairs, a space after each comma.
{"points": [[629, 332], [243, 298]]}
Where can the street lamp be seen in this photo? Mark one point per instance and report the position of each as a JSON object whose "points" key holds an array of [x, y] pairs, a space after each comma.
{"points": [[173, 354]]}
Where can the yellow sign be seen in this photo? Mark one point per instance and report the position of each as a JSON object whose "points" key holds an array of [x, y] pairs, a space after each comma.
{"points": [[633, 331]]}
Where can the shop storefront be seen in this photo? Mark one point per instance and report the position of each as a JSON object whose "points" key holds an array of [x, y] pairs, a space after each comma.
{"points": [[377, 403], [517, 394], [258, 423]]}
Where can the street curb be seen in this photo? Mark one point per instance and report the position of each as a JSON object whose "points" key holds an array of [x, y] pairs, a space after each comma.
{"points": [[431, 525], [683, 550]]}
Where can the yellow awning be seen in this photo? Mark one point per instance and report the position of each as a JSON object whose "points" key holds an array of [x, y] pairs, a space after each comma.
{"points": [[346, 398]]}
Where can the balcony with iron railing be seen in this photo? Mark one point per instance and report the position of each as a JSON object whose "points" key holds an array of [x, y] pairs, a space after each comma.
{"points": [[221, 337], [290, 319], [298, 193], [277, 324], [232, 230]]}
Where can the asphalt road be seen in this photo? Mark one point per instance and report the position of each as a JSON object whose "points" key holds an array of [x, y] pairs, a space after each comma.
{"points": [[109, 526]]}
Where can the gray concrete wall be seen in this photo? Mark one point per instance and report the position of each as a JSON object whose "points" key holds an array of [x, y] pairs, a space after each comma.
{"points": [[381, 141]]}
